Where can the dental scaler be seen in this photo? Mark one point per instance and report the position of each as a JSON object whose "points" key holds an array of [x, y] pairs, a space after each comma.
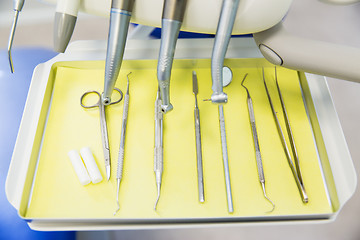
{"points": [[173, 14], [119, 24]]}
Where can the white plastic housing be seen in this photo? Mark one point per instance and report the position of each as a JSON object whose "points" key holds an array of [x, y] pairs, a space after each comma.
{"points": [[201, 15], [70, 7]]}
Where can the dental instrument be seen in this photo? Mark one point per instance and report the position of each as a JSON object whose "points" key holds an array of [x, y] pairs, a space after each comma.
{"points": [[158, 150], [18, 5], [64, 23], [299, 183], [226, 79], [222, 38], [256, 143], [103, 124], [198, 140], [120, 15], [289, 132], [122, 143], [225, 158], [173, 14]]}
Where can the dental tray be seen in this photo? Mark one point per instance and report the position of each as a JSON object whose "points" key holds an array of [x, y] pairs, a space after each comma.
{"points": [[44, 188]]}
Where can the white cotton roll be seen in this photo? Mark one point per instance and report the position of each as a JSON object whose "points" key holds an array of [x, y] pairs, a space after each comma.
{"points": [[79, 167], [91, 165]]}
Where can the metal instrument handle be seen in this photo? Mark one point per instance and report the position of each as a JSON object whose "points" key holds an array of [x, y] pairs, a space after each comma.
{"points": [[199, 154], [122, 137], [256, 141], [225, 158]]}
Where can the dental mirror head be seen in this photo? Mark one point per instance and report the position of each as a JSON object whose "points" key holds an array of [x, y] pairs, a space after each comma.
{"points": [[227, 76]]}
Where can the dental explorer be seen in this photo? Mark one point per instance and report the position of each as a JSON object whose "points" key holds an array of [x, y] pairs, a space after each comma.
{"points": [[119, 23], [158, 150], [299, 182], [256, 143], [64, 23], [173, 14], [198, 140], [122, 143], [222, 38], [18, 5]]}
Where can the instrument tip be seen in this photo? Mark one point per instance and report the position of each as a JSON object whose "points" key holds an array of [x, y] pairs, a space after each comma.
{"points": [[158, 196], [273, 205], [118, 208], [10, 61], [108, 172]]}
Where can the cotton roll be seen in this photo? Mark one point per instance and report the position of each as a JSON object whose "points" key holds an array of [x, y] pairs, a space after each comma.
{"points": [[79, 167], [91, 165]]}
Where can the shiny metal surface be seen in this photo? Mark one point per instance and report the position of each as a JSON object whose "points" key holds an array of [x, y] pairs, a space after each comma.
{"points": [[259, 163], [200, 173], [158, 150], [286, 148], [222, 39], [120, 164], [103, 125], [126, 5], [225, 159], [169, 34], [174, 10], [118, 29]]}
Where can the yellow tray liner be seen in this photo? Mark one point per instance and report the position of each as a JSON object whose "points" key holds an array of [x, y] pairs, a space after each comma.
{"points": [[57, 192]]}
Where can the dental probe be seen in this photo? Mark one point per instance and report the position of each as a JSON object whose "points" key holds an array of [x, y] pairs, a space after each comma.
{"points": [[158, 150], [18, 5], [198, 141], [222, 38], [122, 143], [256, 143], [299, 184], [173, 14], [119, 23], [64, 23]]}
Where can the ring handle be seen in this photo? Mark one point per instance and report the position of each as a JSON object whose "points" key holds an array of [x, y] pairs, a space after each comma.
{"points": [[90, 106], [121, 96]]}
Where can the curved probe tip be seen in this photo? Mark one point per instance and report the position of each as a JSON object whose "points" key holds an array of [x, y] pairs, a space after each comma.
{"points": [[118, 208], [158, 197], [263, 187]]}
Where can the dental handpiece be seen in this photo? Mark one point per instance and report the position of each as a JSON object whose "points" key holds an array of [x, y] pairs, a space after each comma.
{"points": [[173, 14], [222, 38], [18, 5], [225, 159], [122, 144], [119, 24], [158, 150], [64, 23]]}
